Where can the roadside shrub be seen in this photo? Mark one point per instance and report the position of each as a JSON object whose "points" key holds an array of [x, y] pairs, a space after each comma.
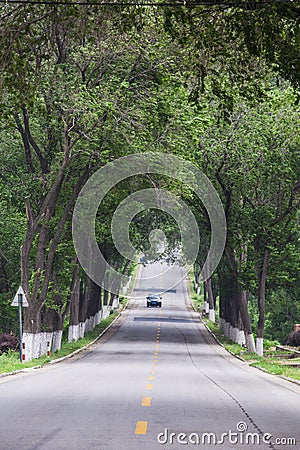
{"points": [[8, 342], [294, 339]]}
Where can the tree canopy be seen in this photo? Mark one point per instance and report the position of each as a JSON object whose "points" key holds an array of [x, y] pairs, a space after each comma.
{"points": [[83, 85]]}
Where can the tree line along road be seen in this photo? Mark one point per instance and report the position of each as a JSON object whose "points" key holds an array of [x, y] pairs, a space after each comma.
{"points": [[156, 379]]}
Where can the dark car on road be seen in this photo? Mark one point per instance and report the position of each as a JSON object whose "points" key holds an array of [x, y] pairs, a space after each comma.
{"points": [[154, 300]]}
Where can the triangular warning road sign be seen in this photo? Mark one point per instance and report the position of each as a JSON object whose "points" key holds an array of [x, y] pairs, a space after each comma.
{"points": [[15, 301]]}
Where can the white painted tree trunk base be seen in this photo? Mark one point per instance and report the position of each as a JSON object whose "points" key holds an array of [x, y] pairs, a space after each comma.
{"points": [[212, 315], [105, 313], [81, 329], [260, 346], [56, 340], [36, 344], [206, 307], [241, 337], [198, 290], [115, 304], [78, 331], [98, 317], [226, 329], [89, 324], [233, 333], [222, 321], [73, 333], [250, 344]]}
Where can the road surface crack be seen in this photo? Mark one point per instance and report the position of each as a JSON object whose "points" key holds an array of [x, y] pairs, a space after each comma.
{"points": [[236, 401]]}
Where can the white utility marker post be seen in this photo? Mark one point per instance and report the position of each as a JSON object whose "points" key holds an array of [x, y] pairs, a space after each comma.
{"points": [[20, 300]]}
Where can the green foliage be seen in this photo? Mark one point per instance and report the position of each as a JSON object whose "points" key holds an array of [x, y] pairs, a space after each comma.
{"points": [[216, 86], [283, 311], [268, 362], [10, 362], [230, 50], [12, 235], [277, 369]]}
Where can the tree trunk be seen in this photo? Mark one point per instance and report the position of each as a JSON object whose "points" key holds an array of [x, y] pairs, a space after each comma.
{"points": [[262, 278], [58, 322], [105, 303], [242, 303], [205, 295], [32, 320], [210, 297], [84, 299], [243, 308], [73, 334]]}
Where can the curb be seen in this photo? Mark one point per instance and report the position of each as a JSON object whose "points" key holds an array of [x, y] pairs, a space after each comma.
{"points": [[70, 355], [202, 321], [292, 380], [63, 358], [209, 330], [283, 377], [15, 372], [85, 347], [220, 343]]}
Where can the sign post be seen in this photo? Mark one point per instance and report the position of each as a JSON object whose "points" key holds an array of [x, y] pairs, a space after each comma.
{"points": [[20, 300]]}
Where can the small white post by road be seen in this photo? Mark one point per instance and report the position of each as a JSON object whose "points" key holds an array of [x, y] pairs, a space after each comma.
{"points": [[20, 300]]}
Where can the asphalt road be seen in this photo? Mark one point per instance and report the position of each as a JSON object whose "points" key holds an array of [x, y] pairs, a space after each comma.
{"points": [[155, 380]]}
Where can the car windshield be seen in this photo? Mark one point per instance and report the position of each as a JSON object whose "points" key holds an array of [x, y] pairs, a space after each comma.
{"points": [[153, 296]]}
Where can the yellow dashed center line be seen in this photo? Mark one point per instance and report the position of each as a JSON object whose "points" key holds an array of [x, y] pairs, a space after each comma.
{"points": [[141, 427], [146, 401]]}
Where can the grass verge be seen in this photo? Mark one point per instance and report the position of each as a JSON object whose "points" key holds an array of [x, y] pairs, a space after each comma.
{"points": [[269, 362], [9, 362]]}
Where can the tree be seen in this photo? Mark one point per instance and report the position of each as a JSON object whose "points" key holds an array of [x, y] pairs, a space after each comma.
{"points": [[258, 173], [89, 93], [228, 49]]}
